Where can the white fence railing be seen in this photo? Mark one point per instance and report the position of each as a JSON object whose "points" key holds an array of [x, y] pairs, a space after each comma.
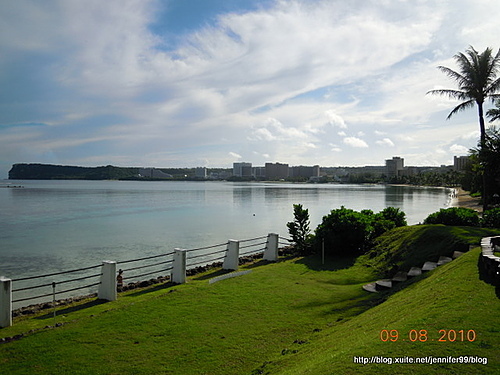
{"points": [[105, 281]]}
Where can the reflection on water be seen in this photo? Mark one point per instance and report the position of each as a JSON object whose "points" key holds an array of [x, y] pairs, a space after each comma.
{"points": [[242, 196]]}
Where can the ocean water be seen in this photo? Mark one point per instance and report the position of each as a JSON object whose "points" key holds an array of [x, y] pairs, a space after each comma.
{"points": [[49, 226]]}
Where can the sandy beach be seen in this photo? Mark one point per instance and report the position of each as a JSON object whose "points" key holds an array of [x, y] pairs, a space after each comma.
{"points": [[463, 199]]}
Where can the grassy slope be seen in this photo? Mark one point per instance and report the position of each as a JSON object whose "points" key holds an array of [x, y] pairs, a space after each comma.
{"points": [[406, 247], [228, 327], [236, 325], [451, 297]]}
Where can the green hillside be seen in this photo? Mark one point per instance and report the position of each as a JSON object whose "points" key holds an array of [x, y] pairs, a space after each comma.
{"points": [[451, 298], [23, 171], [295, 316]]}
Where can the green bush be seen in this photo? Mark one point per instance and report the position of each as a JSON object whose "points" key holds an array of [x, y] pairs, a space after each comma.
{"points": [[491, 218], [345, 231], [395, 215], [457, 216], [348, 232]]}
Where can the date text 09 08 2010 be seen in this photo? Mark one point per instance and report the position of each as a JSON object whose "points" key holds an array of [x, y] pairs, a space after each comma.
{"points": [[422, 335]]}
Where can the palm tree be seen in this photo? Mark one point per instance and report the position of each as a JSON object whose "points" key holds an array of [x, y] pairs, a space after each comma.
{"points": [[494, 113], [477, 81]]}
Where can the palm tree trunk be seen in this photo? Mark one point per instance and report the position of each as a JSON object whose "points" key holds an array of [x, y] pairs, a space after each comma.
{"points": [[483, 147]]}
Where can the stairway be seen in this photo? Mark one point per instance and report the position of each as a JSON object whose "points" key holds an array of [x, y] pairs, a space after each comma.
{"points": [[489, 264], [401, 276]]}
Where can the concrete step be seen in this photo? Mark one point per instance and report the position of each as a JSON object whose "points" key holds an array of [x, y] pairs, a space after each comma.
{"points": [[383, 284], [429, 266], [492, 257], [414, 271], [443, 260], [370, 288], [400, 276]]}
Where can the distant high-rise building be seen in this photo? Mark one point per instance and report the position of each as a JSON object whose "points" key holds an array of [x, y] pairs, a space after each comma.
{"points": [[242, 169], [276, 170], [304, 171], [460, 163], [259, 172], [394, 166]]}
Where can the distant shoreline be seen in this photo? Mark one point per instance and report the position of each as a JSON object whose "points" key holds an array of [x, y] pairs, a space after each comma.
{"points": [[463, 199]]}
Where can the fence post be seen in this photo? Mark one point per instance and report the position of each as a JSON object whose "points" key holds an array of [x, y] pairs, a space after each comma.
{"points": [[179, 266], [271, 251], [232, 255], [5, 302], [107, 288]]}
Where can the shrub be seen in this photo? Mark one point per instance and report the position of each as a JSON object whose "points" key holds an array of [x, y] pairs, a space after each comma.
{"points": [[387, 219], [491, 218], [395, 215], [345, 231], [381, 225], [458, 216]]}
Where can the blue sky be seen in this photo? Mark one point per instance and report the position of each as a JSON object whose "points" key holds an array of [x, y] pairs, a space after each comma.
{"points": [[182, 83]]}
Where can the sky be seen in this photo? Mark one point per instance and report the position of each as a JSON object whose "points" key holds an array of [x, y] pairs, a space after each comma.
{"points": [[185, 83]]}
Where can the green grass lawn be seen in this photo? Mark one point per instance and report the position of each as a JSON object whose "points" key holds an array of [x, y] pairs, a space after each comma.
{"points": [[295, 316], [228, 327]]}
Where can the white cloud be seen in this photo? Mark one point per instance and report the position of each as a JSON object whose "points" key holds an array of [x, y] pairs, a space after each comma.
{"points": [[473, 135], [263, 134], [261, 155], [275, 80], [459, 149], [274, 130], [234, 155], [385, 142], [355, 142], [335, 120]]}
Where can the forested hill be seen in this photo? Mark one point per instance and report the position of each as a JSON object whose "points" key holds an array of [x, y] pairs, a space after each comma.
{"points": [[24, 171], [63, 172]]}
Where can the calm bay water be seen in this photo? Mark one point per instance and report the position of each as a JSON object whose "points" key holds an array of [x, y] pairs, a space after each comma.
{"points": [[49, 226]]}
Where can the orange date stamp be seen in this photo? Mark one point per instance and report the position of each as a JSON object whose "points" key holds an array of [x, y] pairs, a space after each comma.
{"points": [[423, 335]]}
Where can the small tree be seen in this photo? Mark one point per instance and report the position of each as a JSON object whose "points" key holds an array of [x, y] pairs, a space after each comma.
{"points": [[299, 229]]}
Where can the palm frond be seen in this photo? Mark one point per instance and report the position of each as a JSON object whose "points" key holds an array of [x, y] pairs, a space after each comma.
{"points": [[476, 77], [452, 94], [461, 107], [494, 86], [451, 73], [494, 113]]}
